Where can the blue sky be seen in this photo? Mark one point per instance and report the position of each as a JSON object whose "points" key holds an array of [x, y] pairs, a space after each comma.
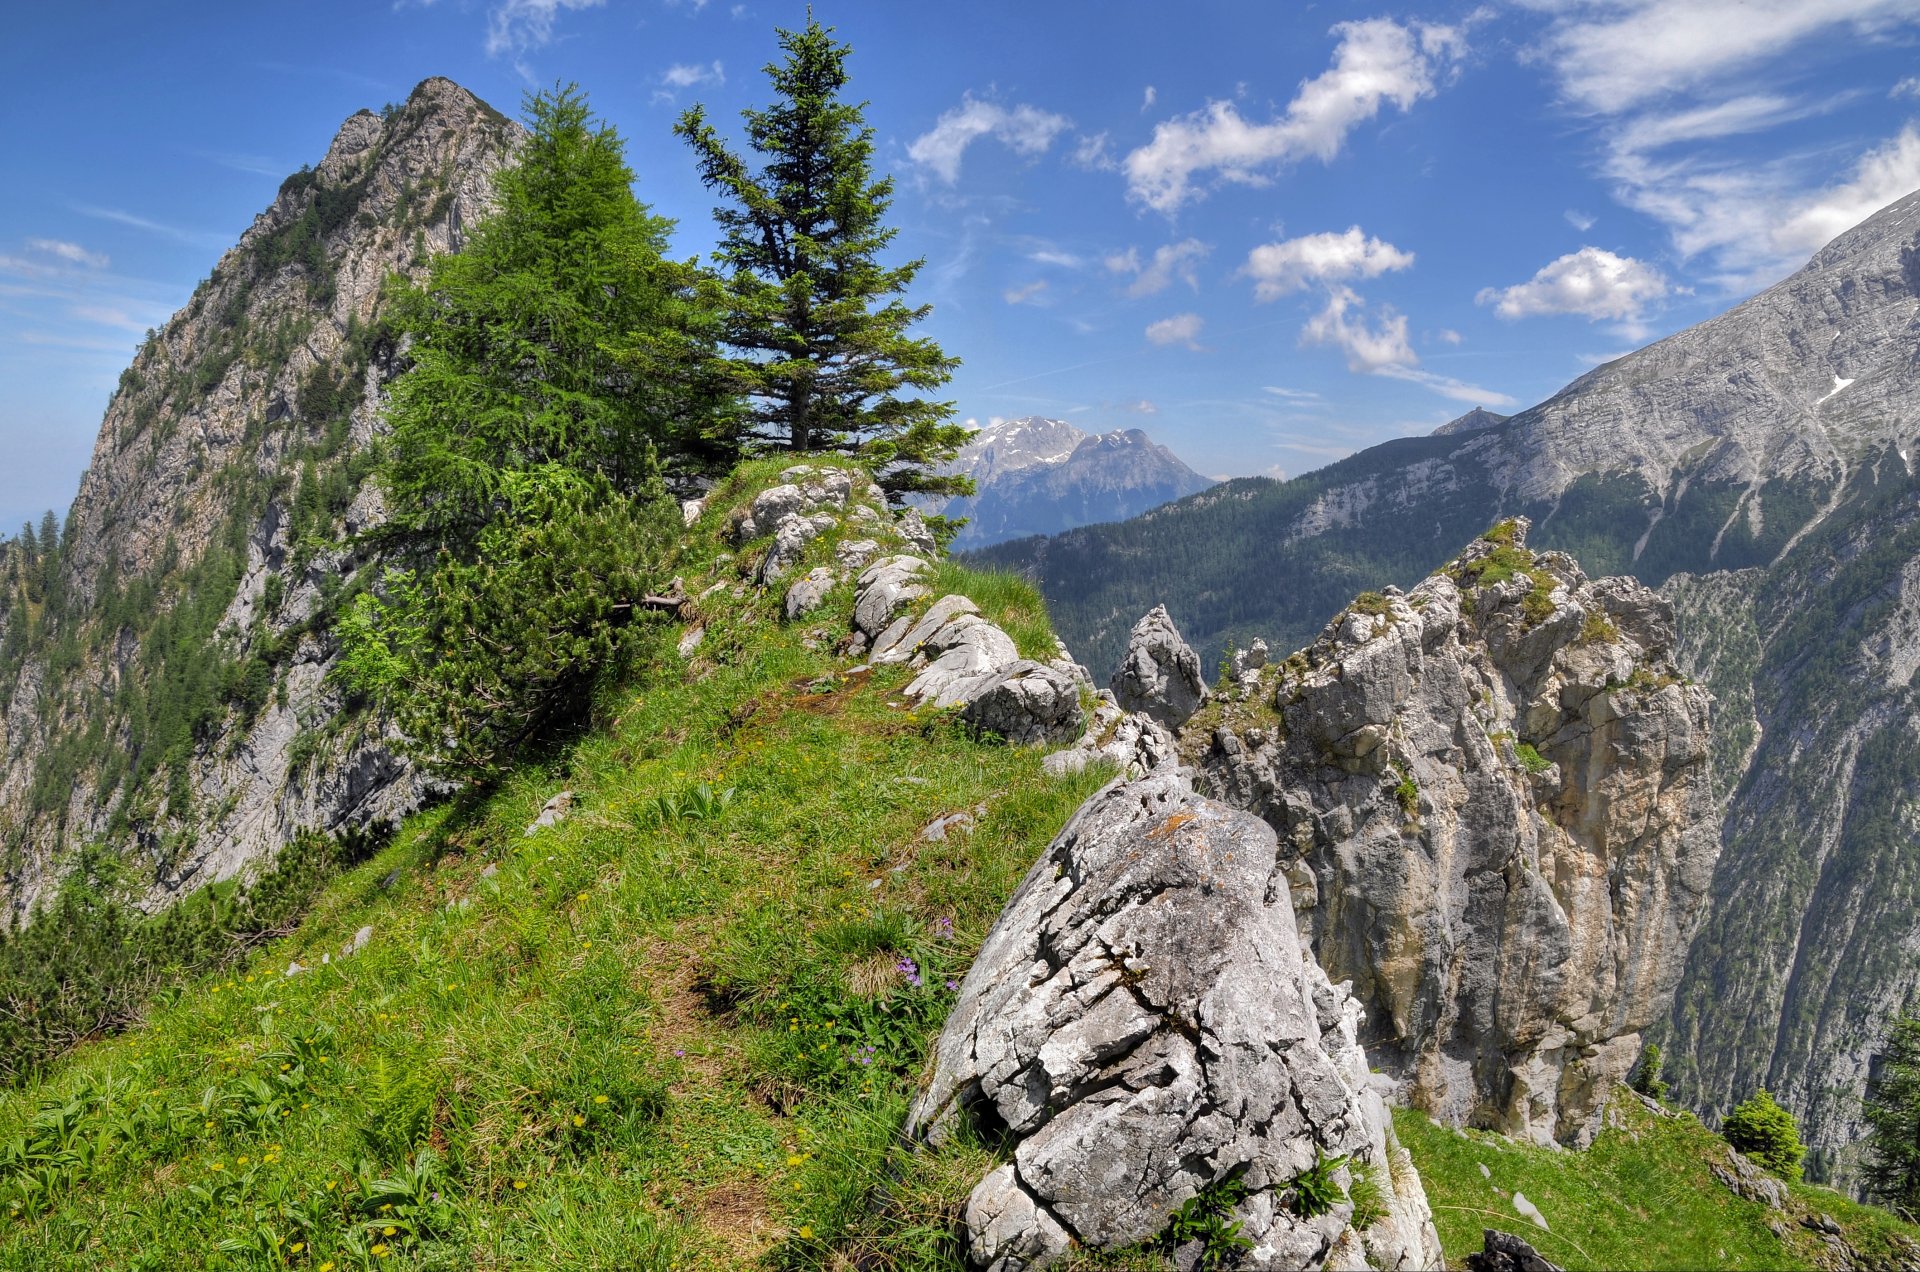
{"points": [[1270, 234]]}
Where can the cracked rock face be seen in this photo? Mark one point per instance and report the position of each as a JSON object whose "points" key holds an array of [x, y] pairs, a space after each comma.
{"points": [[1498, 785], [1160, 674], [1143, 1023]]}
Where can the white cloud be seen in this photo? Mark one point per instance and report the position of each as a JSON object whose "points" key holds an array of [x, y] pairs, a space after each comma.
{"points": [[1095, 154], [1054, 256], [1447, 335], [1611, 55], [1908, 87], [689, 74], [1279, 268], [1029, 294], [178, 234], [1145, 406], [1173, 261], [1581, 221], [1291, 395], [1448, 387], [108, 316], [1026, 130], [1368, 348], [518, 26], [73, 253], [1592, 283], [1181, 329], [1377, 63], [1148, 98], [1889, 171]]}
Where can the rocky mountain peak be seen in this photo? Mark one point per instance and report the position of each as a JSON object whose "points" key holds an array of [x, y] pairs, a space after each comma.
{"points": [[205, 535]]}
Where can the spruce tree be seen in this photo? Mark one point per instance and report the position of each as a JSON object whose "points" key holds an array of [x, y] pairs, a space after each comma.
{"points": [[1759, 1128], [1893, 1116], [821, 334]]}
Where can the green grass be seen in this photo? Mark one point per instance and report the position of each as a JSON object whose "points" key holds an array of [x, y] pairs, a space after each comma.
{"points": [[632, 1040], [1010, 601], [1642, 1196]]}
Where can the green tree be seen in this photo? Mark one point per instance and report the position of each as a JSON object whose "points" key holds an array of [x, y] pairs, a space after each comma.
{"points": [[1759, 1128], [558, 362], [821, 332], [1646, 1077], [1893, 1118], [559, 334]]}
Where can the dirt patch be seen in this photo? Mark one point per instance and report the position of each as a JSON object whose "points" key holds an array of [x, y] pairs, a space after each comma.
{"points": [[738, 1215]]}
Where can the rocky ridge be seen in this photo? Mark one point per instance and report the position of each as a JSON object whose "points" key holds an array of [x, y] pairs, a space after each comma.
{"points": [[204, 536]]}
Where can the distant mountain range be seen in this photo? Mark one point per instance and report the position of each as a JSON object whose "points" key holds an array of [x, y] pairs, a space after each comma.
{"points": [[1040, 476], [1759, 468]]}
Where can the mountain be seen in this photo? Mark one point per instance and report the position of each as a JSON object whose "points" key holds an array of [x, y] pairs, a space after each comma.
{"points": [[1757, 467], [163, 674], [1041, 476]]}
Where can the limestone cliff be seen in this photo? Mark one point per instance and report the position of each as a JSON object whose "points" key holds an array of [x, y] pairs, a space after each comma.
{"points": [[1494, 795], [174, 705]]}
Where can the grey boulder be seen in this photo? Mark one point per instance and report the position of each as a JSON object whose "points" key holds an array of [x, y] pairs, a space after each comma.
{"points": [[1160, 674]]}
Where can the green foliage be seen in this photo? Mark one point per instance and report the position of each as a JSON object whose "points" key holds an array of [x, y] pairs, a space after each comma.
{"points": [[1371, 603], [699, 804], [1760, 1129], [819, 331], [1207, 1217], [1315, 1190], [559, 335], [1597, 628], [1892, 1112], [488, 653], [1646, 1077], [1368, 1195], [1407, 793], [1530, 758]]}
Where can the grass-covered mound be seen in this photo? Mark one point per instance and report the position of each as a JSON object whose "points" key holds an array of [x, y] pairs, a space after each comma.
{"points": [[677, 1029], [1643, 1196]]}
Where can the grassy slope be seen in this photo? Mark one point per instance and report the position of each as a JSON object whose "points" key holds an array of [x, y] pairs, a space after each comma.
{"points": [[1642, 1197], [634, 1044], [662, 1034]]}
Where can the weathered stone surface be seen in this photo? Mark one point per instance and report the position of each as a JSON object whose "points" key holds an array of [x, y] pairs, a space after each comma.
{"points": [[967, 654], [883, 590], [853, 554], [1502, 794], [907, 642], [1160, 675], [1136, 744], [1504, 1252], [1027, 703], [1747, 1180], [552, 812], [1143, 1023], [914, 530], [809, 593]]}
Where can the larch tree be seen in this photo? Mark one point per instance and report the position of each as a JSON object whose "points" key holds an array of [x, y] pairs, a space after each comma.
{"points": [[821, 333]]}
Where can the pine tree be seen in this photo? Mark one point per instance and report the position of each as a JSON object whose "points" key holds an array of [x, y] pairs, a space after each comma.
{"points": [[560, 362], [1893, 1116], [559, 334], [821, 334], [1765, 1132]]}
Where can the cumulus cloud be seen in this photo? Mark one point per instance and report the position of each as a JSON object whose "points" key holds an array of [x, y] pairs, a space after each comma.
{"points": [[1612, 55], [1377, 63], [691, 74], [1279, 268], [72, 253], [1181, 329], [518, 26], [1908, 87], [1447, 335], [1173, 261], [1592, 283], [1369, 348], [1095, 153], [1026, 130]]}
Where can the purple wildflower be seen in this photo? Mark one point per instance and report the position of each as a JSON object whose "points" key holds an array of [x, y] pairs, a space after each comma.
{"points": [[944, 927], [909, 969]]}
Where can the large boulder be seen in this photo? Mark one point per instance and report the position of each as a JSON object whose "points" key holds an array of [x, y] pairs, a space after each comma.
{"points": [[1160, 674], [1142, 1024], [1027, 703]]}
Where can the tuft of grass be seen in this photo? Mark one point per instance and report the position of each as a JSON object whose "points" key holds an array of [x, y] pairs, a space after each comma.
{"points": [[1597, 628], [1530, 758], [1371, 603], [1010, 601]]}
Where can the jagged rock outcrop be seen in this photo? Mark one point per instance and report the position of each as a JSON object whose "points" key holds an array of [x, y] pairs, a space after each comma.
{"points": [[1760, 468], [1143, 1024], [1504, 1252], [1159, 675], [1497, 785], [199, 730]]}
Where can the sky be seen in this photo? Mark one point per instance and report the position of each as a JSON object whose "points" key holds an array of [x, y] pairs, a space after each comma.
{"points": [[1269, 234]]}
